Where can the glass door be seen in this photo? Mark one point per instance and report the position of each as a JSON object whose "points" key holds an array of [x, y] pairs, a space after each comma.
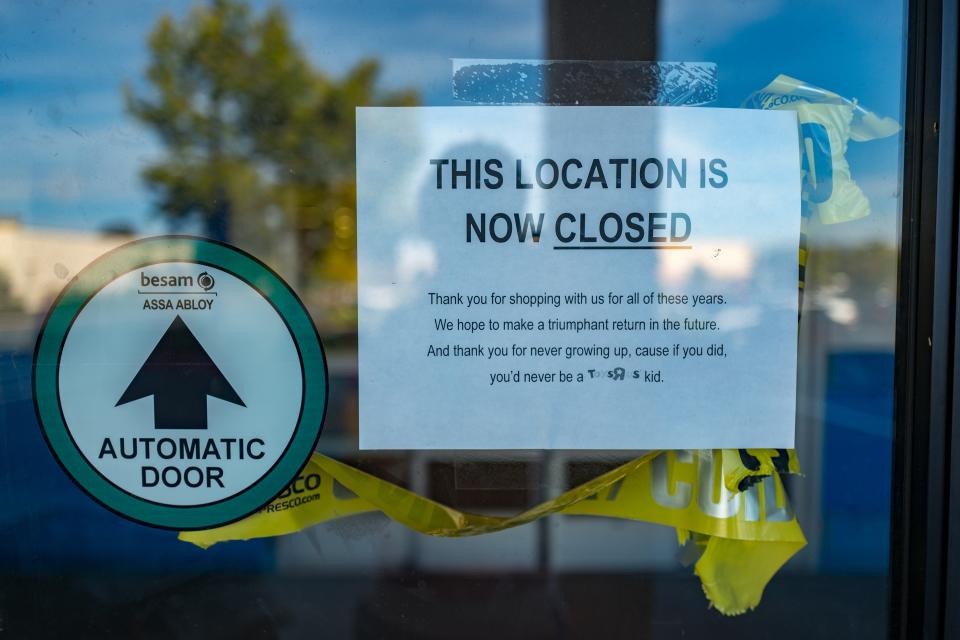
{"points": [[236, 121]]}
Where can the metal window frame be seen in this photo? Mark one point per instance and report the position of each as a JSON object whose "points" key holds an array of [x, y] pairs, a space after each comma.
{"points": [[925, 526]]}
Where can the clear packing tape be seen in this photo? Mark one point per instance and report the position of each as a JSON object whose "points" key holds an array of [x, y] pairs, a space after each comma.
{"points": [[729, 507], [743, 537]]}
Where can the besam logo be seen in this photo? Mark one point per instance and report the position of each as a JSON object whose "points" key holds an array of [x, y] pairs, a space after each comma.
{"points": [[206, 281]]}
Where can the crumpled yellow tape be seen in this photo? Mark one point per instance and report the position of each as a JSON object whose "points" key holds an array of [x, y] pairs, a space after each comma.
{"points": [[746, 536], [745, 467]]}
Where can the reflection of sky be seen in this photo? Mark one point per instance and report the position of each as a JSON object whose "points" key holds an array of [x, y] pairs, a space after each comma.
{"points": [[854, 49], [72, 157]]}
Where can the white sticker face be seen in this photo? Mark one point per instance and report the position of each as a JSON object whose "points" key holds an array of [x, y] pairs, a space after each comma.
{"points": [[180, 384]]}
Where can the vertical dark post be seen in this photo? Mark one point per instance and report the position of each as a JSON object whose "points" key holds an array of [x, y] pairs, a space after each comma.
{"points": [[601, 30], [218, 224], [218, 221]]}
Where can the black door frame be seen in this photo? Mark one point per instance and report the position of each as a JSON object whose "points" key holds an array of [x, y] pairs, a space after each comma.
{"points": [[925, 527]]}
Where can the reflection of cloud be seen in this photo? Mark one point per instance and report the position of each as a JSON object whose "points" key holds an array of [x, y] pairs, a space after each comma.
{"points": [[719, 259], [687, 23], [77, 156], [841, 310], [413, 259], [60, 171], [62, 64], [416, 40], [879, 184], [738, 318], [55, 45]]}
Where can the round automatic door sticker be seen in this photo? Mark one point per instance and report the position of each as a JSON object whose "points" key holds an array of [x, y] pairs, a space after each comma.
{"points": [[180, 382]]}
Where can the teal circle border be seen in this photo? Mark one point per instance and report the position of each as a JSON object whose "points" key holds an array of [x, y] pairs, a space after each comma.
{"points": [[139, 254]]}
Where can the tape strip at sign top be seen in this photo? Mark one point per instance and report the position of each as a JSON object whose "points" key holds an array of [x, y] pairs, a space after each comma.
{"points": [[744, 536]]}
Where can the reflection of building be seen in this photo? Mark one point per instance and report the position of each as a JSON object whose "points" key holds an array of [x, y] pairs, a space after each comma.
{"points": [[37, 262]]}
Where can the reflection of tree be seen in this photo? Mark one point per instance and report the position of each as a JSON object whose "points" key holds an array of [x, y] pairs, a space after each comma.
{"points": [[860, 271], [7, 300], [856, 286], [253, 132]]}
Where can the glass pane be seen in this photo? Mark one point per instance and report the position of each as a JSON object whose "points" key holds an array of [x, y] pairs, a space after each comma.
{"points": [[236, 121]]}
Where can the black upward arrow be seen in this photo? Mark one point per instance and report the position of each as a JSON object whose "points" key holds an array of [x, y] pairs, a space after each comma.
{"points": [[179, 375]]}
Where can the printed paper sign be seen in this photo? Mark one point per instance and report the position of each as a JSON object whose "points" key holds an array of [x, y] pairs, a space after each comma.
{"points": [[577, 277]]}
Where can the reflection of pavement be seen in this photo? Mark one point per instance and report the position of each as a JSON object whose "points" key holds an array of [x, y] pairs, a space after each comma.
{"points": [[614, 605]]}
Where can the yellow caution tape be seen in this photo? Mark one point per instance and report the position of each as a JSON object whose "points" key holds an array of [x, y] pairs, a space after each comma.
{"points": [[745, 467], [746, 536]]}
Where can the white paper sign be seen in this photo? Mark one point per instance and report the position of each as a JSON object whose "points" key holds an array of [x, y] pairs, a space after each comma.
{"points": [[577, 277]]}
